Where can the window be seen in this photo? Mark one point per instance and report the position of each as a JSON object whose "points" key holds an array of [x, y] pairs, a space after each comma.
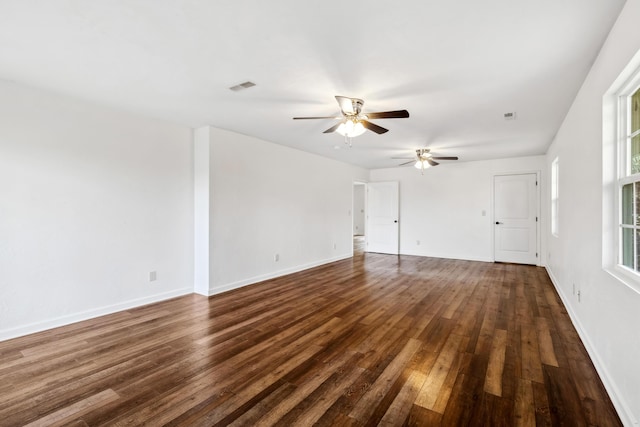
{"points": [[555, 191], [629, 180]]}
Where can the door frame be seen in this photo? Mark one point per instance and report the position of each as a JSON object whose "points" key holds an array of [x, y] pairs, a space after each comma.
{"points": [[353, 185], [538, 211]]}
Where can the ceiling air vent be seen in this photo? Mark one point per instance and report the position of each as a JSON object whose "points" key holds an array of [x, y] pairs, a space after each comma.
{"points": [[510, 116], [242, 86]]}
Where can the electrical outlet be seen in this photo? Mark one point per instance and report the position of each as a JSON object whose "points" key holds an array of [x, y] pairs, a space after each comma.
{"points": [[334, 246], [418, 242], [578, 295], [276, 257], [153, 276]]}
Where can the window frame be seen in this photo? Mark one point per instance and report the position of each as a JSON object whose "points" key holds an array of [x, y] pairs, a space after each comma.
{"points": [[625, 177], [555, 197]]}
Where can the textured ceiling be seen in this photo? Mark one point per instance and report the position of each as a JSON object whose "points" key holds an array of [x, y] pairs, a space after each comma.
{"points": [[457, 66]]}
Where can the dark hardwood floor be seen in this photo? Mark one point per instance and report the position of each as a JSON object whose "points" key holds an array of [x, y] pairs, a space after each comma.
{"points": [[373, 340]]}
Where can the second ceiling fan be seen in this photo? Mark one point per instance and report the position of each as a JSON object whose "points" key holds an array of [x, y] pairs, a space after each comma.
{"points": [[353, 121], [425, 159]]}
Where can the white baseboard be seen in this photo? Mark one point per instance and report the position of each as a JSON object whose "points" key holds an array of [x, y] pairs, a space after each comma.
{"points": [[31, 328], [448, 256], [249, 281], [625, 414]]}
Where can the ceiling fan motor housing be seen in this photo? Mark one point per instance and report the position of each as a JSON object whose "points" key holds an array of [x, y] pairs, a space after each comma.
{"points": [[357, 105]]}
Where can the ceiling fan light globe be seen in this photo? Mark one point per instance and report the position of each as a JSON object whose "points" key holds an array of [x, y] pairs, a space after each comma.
{"points": [[350, 129], [358, 129], [421, 164]]}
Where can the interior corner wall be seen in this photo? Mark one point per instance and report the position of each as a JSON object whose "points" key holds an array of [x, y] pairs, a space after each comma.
{"points": [[201, 200], [441, 211], [274, 210], [92, 201], [606, 311]]}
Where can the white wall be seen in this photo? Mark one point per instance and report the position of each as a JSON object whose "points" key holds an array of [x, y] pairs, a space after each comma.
{"points": [[358, 209], [443, 208], [607, 313], [91, 201], [267, 199], [202, 204]]}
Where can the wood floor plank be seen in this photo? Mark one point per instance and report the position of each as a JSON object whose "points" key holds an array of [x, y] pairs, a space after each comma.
{"points": [[512, 362], [370, 340], [364, 408], [464, 403], [493, 379], [433, 383], [588, 387], [225, 412], [50, 398], [61, 416], [447, 386], [531, 364], [419, 416], [315, 406], [400, 408], [545, 343], [301, 392], [564, 402], [542, 407], [258, 415], [524, 408]]}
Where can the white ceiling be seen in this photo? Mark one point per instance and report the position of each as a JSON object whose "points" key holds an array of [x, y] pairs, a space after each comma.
{"points": [[457, 66]]}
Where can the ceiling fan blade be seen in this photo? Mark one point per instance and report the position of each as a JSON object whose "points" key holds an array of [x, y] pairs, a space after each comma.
{"points": [[431, 162], [402, 158], [445, 158], [372, 127], [407, 163], [399, 114], [349, 106], [332, 128], [326, 117]]}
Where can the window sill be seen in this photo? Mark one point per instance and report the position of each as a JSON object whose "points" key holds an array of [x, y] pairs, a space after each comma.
{"points": [[626, 277]]}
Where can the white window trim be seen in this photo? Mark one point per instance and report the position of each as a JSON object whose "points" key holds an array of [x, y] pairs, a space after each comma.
{"points": [[625, 274], [555, 197]]}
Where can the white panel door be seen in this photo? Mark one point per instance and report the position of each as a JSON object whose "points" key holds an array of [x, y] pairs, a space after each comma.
{"points": [[515, 218], [382, 217]]}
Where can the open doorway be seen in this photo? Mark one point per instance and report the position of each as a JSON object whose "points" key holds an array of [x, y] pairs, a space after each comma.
{"points": [[359, 216]]}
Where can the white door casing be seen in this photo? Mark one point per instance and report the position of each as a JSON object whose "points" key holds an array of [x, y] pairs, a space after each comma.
{"points": [[516, 218], [382, 217]]}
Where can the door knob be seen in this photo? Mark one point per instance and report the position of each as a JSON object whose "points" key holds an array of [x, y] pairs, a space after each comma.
{"points": [[498, 222], [395, 221]]}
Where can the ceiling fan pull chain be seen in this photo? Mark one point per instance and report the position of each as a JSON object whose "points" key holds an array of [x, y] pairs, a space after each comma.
{"points": [[347, 140]]}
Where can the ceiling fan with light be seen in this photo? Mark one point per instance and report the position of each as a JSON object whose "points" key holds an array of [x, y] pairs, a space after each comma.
{"points": [[353, 121], [424, 159]]}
